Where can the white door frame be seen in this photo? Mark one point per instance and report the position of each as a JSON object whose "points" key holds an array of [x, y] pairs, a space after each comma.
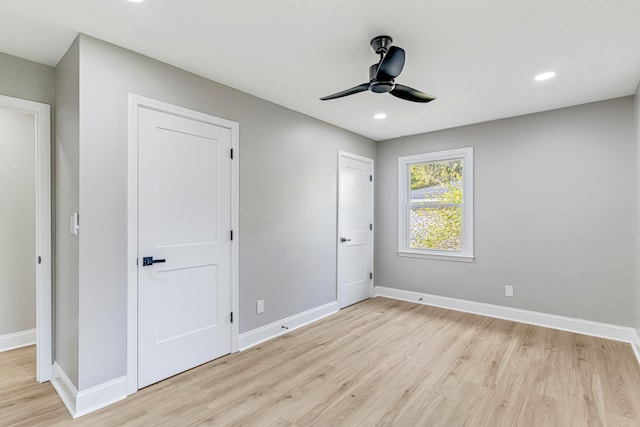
{"points": [[136, 102], [341, 155], [42, 131]]}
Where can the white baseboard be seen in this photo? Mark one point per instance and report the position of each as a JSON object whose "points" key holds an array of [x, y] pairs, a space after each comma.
{"points": [[570, 324], [17, 340], [275, 329], [635, 345], [81, 403], [65, 388]]}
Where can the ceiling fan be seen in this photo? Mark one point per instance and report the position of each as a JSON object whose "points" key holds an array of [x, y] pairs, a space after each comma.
{"points": [[382, 74]]}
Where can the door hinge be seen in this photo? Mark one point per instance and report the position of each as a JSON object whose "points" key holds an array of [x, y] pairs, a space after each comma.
{"points": [[371, 178], [39, 259], [231, 235], [370, 275], [232, 153], [232, 317], [370, 226]]}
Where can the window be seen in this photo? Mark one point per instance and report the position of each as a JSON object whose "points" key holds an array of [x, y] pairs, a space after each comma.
{"points": [[435, 215]]}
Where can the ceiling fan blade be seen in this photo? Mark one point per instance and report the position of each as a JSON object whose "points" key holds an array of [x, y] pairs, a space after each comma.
{"points": [[391, 65], [353, 90], [410, 94]]}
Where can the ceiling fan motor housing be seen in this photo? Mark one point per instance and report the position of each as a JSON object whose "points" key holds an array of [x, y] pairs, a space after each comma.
{"points": [[381, 87], [378, 86]]}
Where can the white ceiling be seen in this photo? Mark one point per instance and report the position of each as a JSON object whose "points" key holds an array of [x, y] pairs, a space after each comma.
{"points": [[478, 57]]}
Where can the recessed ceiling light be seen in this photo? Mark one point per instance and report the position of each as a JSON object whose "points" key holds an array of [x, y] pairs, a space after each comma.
{"points": [[380, 116], [545, 76], [136, 1]]}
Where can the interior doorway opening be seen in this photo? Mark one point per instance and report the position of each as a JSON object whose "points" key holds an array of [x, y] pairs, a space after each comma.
{"points": [[25, 227]]}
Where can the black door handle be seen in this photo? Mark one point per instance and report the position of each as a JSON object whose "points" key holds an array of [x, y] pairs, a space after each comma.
{"points": [[148, 260], [344, 239]]}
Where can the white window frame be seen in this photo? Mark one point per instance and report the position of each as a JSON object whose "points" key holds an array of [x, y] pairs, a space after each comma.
{"points": [[404, 208]]}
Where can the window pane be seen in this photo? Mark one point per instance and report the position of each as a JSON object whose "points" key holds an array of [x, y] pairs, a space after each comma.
{"points": [[439, 182], [436, 228]]}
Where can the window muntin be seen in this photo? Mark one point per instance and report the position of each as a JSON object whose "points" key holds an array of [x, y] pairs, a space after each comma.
{"points": [[435, 209]]}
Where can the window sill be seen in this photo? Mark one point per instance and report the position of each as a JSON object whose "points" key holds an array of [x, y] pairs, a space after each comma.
{"points": [[443, 257]]}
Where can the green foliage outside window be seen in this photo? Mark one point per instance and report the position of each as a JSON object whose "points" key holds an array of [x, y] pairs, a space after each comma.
{"points": [[433, 226], [435, 173]]}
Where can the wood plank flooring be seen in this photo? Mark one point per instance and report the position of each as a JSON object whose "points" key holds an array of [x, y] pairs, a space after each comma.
{"points": [[378, 363]]}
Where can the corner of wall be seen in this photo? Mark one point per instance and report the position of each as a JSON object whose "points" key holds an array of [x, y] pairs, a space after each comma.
{"points": [[81, 403], [66, 152], [636, 217]]}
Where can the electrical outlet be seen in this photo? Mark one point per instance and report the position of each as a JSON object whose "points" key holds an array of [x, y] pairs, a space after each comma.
{"points": [[260, 306], [508, 291]]}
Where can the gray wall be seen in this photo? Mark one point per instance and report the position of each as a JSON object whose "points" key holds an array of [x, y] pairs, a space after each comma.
{"points": [[26, 80], [66, 245], [636, 234], [288, 170], [17, 222], [22, 79], [553, 216]]}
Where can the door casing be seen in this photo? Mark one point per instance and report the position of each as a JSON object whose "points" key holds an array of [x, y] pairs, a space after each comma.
{"points": [[341, 155], [42, 132], [136, 102]]}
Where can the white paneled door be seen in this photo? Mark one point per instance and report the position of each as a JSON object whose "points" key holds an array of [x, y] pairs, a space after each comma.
{"points": [[355, 229], [184, 244]]}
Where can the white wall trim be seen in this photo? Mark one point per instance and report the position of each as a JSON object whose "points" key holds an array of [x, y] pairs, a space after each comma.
{"points": [[339, 232], [404, 205], [17, 340], [635, 345], [440, 257], [275, 329], [136, 102], [65, 388], [102, 395], [83, 402], [342, 153], [44, 330], [569, 324]]}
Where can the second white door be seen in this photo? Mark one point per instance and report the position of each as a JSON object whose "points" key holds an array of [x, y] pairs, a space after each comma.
{"points": [[184, 259], [355, 229]]}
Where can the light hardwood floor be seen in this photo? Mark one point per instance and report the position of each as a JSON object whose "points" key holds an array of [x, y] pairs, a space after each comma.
{"points": [[378, 363]]}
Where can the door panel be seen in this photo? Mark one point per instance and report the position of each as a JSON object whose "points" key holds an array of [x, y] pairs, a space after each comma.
{"points": [[184, 219], [198, 289], [184, 163], [355, 218]]}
